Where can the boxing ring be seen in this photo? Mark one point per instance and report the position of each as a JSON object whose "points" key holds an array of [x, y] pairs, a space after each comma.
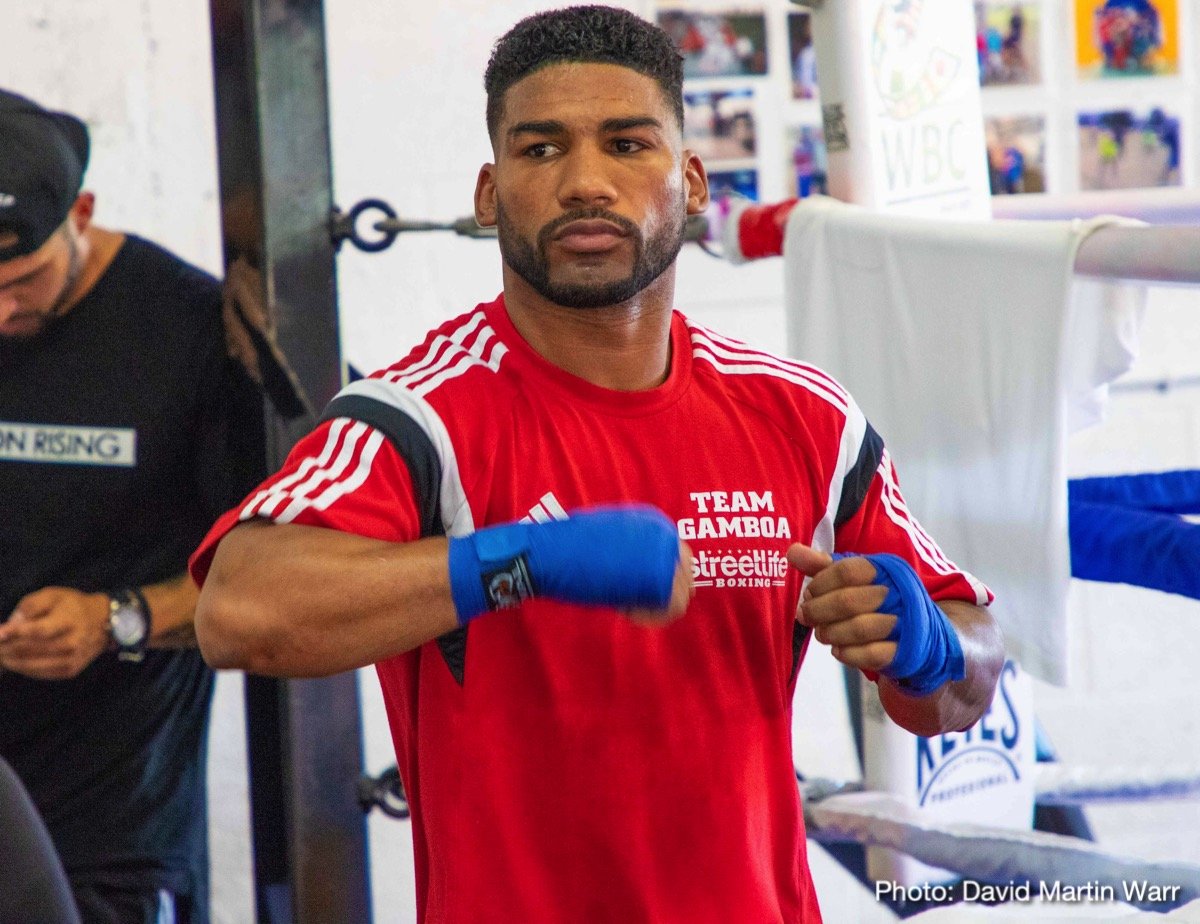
{"points": [[1123, 529]]}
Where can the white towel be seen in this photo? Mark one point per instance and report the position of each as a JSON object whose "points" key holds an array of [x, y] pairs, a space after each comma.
{"points": [[972, 350]]}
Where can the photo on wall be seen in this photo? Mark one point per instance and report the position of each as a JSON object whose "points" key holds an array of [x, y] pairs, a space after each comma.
{"points": [[1008, 40], [808, 164], [719, 125], [728, 43], [802, 55], [724, 187], [1016, 153], [1127, 38], [1126, 149]]}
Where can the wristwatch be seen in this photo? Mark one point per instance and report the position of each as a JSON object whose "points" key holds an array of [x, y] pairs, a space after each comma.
{"points": [[129, 623]]}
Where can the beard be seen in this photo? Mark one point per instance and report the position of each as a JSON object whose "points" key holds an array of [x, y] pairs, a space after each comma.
{"points": [[58, 305], [74, 271], [651, 257]]}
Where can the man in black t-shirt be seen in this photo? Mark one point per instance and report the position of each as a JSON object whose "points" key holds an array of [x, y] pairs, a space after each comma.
{"points": [[124, 431]]}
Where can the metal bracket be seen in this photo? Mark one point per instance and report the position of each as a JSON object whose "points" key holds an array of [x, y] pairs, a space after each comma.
{"points": [[344, 226], [385, 792]]}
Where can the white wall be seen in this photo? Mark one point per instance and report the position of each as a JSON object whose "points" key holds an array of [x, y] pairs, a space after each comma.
{"points": [[407, 109], [139, 75]]}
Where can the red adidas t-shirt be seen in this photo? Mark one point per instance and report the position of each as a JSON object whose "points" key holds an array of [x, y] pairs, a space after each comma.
{"points": [[562, 763]]}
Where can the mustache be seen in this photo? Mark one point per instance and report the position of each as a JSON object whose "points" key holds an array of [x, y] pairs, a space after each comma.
{"points": [[593, 213]]}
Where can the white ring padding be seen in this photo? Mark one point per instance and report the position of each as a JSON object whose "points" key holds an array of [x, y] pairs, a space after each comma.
{"points": [[1062, 784], [988, 854]]}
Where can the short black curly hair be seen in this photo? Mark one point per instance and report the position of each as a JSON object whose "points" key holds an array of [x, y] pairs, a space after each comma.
{"points": [[597, 34]]}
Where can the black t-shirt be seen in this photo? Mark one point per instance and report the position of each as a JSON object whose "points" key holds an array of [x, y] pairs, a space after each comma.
{"points": [[124, 432]]}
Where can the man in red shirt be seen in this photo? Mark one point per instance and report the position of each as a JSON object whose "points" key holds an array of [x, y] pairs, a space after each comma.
{"points": [[586, 541]]}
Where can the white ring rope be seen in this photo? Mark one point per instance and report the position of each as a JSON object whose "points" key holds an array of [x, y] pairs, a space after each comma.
{"points": [[1062, 784], [988, 854]]}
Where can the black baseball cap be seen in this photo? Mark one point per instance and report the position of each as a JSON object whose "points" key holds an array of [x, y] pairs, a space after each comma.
{"points": [[43, 156]]}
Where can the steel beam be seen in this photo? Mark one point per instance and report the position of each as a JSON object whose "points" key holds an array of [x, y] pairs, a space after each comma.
{"points": [[305, 740]]}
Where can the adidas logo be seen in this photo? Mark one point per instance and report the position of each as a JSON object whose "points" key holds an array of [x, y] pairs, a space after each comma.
{"points": [[545, 510]]}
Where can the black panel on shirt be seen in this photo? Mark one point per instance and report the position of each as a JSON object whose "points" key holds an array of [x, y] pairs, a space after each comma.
{"points": [[857, 482], [413, 444], [800, 634], [453, 646], [416, 449], [113, 757]]}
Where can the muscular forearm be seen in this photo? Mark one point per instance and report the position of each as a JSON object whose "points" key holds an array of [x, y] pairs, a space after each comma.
{"points": [[172, 610], [301, 601], [957, 705]]}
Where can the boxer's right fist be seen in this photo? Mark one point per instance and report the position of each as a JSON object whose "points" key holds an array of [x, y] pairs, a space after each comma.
{"points": [[627, 557]]}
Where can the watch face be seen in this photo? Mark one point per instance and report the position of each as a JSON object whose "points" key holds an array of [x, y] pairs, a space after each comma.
{"points": [[128, 626]]}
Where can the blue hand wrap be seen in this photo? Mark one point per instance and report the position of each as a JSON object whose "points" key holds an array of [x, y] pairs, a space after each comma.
{"points": [[607, 556], [928, 652]]}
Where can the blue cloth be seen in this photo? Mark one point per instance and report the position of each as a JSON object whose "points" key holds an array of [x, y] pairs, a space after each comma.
{"points": [[928, 652], [1125, 529], [609, 556], [1162, 492]]}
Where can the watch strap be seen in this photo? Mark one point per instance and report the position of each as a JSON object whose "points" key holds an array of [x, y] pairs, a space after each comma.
{"points": [[143, 606], [133, 598]]}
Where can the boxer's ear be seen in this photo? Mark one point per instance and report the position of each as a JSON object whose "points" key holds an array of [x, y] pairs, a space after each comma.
{"points": [[695, 179], [485, 196]]}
